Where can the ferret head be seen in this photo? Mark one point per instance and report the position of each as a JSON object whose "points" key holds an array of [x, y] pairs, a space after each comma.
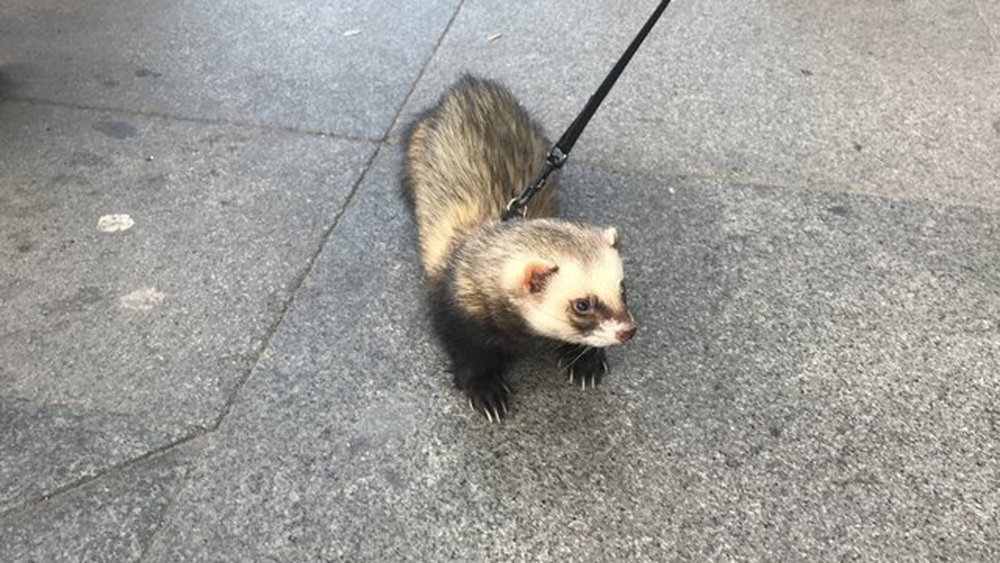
{"points": [[575, 292]]}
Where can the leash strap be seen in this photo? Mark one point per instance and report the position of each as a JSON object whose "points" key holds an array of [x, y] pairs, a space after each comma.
{"points": [[559, 152]]}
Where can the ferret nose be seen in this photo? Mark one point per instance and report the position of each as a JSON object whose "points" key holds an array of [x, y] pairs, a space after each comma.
{"points": [[626, 334]]}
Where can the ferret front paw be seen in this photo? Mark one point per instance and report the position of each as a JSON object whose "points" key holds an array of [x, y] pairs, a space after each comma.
{"points": [[586, 366], [489, 399]]}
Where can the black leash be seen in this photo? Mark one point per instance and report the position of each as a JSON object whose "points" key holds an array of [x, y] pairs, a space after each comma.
{"points": [[559, 152]]}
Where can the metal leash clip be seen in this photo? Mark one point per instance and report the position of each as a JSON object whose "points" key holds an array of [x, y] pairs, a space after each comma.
{"points": [[511, 210], [517, 207]]}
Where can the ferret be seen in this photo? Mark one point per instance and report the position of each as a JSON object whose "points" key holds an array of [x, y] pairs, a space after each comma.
{"points": [[495, 286]]}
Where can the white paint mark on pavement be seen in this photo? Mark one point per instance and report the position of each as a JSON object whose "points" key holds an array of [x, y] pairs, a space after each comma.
{"points": [[141, 299], [112, 223]]}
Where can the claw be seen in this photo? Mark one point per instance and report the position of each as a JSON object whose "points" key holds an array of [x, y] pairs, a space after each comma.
{"points": [[505, 388], [486, 411], [572, 374], [496, 415], [605, 366], [504, 405], [471, 406]]}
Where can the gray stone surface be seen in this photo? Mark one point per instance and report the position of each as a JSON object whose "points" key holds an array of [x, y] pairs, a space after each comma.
{"points": [[107, 520], [284, 63], [891, 98], [114, 343], [47, 447], [990, 12], [815, 377]]}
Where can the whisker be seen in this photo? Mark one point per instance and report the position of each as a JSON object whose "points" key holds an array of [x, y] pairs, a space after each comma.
{"points": [[578, 356]]}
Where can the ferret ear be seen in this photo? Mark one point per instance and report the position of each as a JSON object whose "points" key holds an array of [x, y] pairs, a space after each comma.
{"points": [[536, 276], [611, 235]]}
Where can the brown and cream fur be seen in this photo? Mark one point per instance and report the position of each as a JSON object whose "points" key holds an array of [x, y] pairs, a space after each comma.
{"points": [[496, 284], [465, 159]]}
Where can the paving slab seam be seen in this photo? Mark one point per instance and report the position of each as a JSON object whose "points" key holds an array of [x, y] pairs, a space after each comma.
{"points": [[989, 28], [176, 492], [293, 293], [189, 119], [14, 511], [385, 138], [736, 180], [749, 181]]}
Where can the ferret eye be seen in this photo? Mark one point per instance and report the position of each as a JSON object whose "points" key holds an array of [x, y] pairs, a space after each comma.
{"points": [[581, 306]]}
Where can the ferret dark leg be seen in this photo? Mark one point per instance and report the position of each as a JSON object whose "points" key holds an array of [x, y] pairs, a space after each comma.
{"points": [[479, 373], [477, 362], [586, 366]]}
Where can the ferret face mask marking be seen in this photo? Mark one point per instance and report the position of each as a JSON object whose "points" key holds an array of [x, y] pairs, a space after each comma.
{"points": [[579, 302]]}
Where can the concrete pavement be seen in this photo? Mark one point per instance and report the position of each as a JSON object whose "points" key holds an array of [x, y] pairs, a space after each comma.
{"points": [[809, 199]]}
